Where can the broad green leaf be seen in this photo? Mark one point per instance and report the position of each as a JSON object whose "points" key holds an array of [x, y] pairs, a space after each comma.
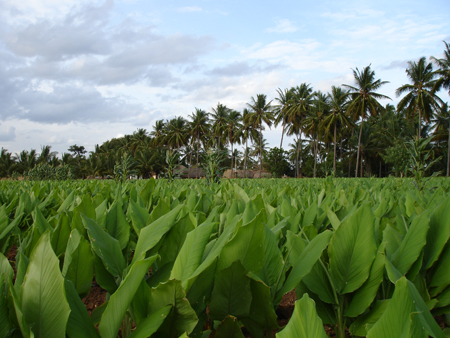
{"points": [[334, 220], [304, 321], [262, 316], [139, 216], [25, 329], [229, 328], [247, 246], [120, 300], [67, 202], [151, 324], [40, 223], [438, 234], [86, 207], [79, 324], [5, 226], [305, 263], [352, 250], [60, 235], [151, 234], [441, 276], [5, 323], [396, 319], [106, 247], [103, 277], [174, 239], [5, 267], [273, 261], [191, 253], [365, 295], [44, 303], [182, 317], [79, 263], [363, 323], [117, 225], [413, 242], [231, 294]]}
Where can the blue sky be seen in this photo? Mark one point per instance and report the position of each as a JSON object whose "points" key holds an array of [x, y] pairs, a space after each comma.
{"points": [[82, 72]]}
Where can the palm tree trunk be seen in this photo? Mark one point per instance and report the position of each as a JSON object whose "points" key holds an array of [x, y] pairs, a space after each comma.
{"points": [[198, 148], [260, 149], [420, 119], [245, 159], [315, 155], [300, 173], [232, 175], [297, 170], [334, 158], [282, 134], [448, 155], [359, 145]]}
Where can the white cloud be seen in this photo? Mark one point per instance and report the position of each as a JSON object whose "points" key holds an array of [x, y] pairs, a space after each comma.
{"points": [[7, 134], [283, 26]]}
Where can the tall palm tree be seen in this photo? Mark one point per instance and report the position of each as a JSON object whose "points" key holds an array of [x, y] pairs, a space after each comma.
{"points": [[303, 97], [138, 140], [261, 112], [219, 117], [247, 132], [420, 97], [177, 132], [364, 99], [314, 121], [444, 69], [158, 132], [198, 126], [338, 101], [285, 101], [233, 127], [441, 125]]}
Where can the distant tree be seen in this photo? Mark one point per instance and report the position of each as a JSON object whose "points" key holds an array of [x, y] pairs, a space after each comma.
{"points": [[444, 69]]}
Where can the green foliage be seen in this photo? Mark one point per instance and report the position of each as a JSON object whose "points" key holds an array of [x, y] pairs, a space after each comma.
{"points": [[368, 255], [124, 169], [277, 162], [213, 160], [172, 159], [421, 160]]}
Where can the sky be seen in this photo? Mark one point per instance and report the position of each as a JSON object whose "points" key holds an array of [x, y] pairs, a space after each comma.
{"points": [[83, 72]]}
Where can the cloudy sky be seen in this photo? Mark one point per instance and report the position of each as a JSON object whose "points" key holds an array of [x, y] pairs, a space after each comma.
{"points": [[82, 72]]}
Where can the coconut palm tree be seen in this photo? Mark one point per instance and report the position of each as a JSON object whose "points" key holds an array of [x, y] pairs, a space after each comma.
{"points": [[420, 97], [285, 101], [441, 125], [261, 112], [219, 117], [199, 126], [247, 132], [303, 98], [233, 127], [338, 101], [158, 133], [176, 132], [364, 99], [314, 121], [444, 69]]}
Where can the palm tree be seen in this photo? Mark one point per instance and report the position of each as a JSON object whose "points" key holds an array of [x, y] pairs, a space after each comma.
{"points": [[158, 132], [364, 99], [338, 101], [176, 132], [285, 101], [421, 97], [139, 139], [441, 125], [247, 132], [444, 69], [199, 126], [219, 117], [261, 112], [233, 127], [314, 121], [303, 97]]}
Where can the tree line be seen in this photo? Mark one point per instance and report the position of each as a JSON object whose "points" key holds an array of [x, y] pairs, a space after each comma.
{"points": [[346, 132]]}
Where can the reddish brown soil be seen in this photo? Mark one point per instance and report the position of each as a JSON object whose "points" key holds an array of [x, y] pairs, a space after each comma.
{"points": [[95, 298]]}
